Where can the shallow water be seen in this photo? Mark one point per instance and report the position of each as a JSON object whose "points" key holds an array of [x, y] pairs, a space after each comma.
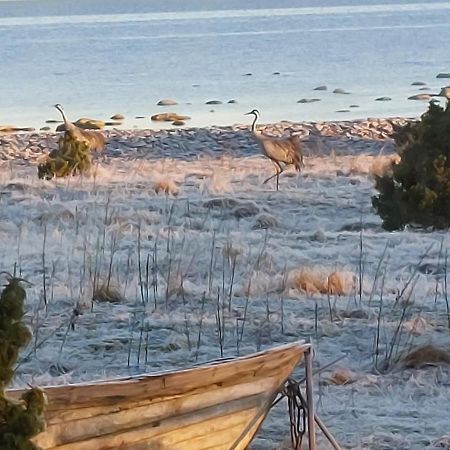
{"points": [[108, 57]]}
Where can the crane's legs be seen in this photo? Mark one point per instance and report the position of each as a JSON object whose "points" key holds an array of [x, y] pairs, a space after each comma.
{"points": [[279, 171]]}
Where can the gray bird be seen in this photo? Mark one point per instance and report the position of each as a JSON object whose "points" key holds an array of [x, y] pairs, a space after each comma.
{"points": [[280, 150], [95, 140]]}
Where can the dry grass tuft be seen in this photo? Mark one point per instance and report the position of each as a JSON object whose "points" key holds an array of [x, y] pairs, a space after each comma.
{"points": [[308, 282], [260, 283], [175, 286], [341, 377], [167, 187], [417, 326], [424, 356], [317, 280], [335, 284], [266, 221], [107, 293], [218, 182], [232, 250], [245, 209]]}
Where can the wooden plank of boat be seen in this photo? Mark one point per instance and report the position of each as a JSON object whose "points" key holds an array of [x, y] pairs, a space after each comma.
{"points": [[215, 406]]}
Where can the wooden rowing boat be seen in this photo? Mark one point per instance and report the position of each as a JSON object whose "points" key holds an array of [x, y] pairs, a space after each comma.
{"points": [[219, 405]]}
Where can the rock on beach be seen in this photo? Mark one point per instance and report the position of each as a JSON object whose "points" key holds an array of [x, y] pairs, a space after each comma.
{"points": [[168, 117], [85, 124], [13, 129], [90, 124], [425, 97]]}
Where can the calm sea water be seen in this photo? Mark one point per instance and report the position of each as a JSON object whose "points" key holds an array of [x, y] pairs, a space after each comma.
{"points": [[105, 57]]}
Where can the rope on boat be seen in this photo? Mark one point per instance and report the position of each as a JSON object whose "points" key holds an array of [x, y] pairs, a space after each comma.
{"points": [[297, 412]]}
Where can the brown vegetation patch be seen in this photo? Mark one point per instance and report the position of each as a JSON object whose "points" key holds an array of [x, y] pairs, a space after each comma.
{"points": [[340, 377], [168, 187], [316, 280], [266, 221], [424, 356], [106, 292]]}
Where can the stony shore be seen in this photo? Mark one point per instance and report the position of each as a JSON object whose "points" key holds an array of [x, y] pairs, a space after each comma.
{"points": [[368, 135]]}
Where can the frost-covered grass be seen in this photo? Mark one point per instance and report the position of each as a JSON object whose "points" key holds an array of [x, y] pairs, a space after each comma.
{"points": [[178, 249]]}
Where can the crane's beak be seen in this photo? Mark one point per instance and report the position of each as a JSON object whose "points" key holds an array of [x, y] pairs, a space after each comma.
{"points": [[250, 112]]}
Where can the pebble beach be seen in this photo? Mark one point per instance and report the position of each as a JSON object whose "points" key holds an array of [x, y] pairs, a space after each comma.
{"points": [[209, 141]]}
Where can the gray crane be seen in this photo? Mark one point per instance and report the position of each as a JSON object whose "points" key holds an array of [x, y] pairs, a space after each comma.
{"points": [[93, 139], [280, 150]]}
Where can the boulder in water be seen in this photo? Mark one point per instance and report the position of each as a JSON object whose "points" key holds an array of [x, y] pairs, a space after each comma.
{"points": [[89, 124], [168, 117], [308, 100], [167, 102], [340, 91]]}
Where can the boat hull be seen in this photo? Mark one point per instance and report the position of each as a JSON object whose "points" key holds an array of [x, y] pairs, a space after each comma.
{"points": [[215, 406]]}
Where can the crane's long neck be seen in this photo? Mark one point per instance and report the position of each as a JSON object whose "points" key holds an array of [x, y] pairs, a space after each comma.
{"points": [[66, 122], [254, 131]]}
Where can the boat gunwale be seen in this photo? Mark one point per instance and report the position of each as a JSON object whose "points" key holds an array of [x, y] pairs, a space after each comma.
{"points": [[300, 345]]}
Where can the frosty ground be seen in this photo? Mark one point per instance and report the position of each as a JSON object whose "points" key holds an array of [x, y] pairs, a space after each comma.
{"points": [[177, 237]]}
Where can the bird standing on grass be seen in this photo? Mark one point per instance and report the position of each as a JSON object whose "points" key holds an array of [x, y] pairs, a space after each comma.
{"points": [[94, 140], [280, 150]]}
